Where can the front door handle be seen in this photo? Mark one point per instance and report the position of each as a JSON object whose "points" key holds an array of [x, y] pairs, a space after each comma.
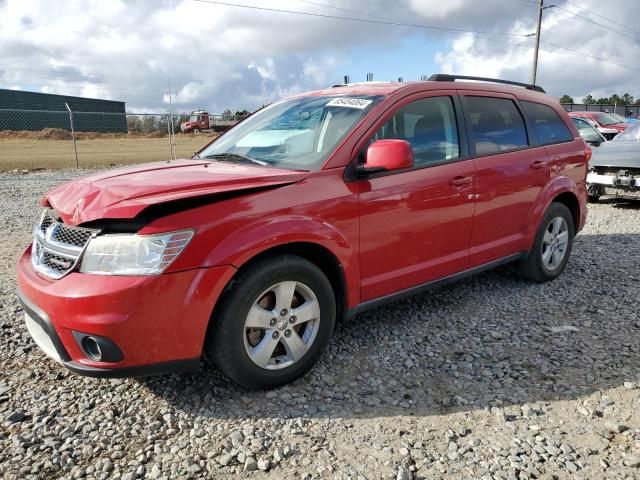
{"points": [[461, 181], [538, 164]]}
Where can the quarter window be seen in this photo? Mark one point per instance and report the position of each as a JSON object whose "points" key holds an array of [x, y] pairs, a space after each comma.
{"points": [[496, 125], [430, 126], [547, 124]]}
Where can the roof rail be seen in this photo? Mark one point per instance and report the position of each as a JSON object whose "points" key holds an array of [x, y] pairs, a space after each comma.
{"points": [[443, 77]]}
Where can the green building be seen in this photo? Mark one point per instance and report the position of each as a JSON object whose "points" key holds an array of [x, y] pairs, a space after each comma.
{"points": [[21, 110]]}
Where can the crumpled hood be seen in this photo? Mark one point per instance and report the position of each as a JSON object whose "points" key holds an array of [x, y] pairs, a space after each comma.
{"points": [[616, 154], [125, 192]]}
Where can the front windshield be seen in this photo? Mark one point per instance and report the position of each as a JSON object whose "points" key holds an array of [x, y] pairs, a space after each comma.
{"points": [[587, 132], [606, 119], [193, 118], [299, 134], [631, 134]]}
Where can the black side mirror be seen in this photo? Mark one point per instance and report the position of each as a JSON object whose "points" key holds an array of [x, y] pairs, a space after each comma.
{"points": [[595, 143]]}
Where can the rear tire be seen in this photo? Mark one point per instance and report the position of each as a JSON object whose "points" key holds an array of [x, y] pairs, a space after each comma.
{"points": [[273, 324], [552, 246]]}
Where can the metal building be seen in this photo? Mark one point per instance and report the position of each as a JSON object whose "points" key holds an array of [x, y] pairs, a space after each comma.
{"points": [[21, 110]]}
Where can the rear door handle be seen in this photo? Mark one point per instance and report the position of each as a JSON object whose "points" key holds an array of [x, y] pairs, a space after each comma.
{"points": [[461, 181], [538, 164]]}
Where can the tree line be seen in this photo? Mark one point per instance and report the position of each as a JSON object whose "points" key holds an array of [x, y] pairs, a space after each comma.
{"points": [[614, 99]]}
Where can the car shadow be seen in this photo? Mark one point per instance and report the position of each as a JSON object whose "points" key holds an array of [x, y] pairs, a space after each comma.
{"points": [[624, 203], [491, 340]]}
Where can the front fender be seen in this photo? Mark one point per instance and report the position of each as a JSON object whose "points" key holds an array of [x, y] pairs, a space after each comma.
{"points": [[260, 236], [555, 187]]}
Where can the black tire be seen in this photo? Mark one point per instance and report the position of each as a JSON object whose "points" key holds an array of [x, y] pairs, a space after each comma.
{"points": [[533, 267], [227, 335], [195, 131], [594, 191]]}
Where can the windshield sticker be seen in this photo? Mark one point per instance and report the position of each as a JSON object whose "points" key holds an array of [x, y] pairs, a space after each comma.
{"points": [[359, 103]]}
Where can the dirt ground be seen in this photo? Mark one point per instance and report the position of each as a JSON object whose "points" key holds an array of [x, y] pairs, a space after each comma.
{"points": [[491, 378], [31, 153]]}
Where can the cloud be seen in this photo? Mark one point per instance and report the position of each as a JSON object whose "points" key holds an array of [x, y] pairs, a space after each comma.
{"points": [[221, 57], [560, 71]]}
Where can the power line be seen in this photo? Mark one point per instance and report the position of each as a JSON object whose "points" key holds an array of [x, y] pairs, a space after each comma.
{"points": [[602, 16], [587, 19], [362, 20], [584, 54], [349, 10]]}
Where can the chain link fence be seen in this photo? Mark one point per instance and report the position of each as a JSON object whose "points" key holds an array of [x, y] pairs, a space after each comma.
{"points": [[36, 139]]}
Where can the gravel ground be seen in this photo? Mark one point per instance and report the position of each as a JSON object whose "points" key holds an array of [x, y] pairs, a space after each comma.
{"points": [[491, 378]]}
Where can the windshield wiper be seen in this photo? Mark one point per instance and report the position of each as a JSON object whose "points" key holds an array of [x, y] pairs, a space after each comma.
{"points": [[233, 157]]}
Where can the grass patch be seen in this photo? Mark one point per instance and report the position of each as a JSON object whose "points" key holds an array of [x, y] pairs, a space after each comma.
{"points": [[31, 153]]}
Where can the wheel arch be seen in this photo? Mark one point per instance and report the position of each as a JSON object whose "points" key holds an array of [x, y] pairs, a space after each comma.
{"points": [[322, 257], [562, 190], [570, 200]]}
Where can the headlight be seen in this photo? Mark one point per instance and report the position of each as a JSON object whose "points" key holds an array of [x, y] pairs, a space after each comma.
{"points": [[127, 254]]}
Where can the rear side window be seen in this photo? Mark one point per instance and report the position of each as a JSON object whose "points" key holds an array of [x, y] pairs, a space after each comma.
{"points": [[496, 125], [547, 124], [429, 125]]}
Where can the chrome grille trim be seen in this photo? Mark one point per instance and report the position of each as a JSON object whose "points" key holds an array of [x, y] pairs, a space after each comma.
{"points": [[57, 248]]}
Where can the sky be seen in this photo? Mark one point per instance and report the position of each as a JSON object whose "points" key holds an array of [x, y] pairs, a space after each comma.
{"points": [[220, 56]]}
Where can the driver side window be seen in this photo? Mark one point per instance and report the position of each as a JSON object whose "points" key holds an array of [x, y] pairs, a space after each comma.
{"points": [[430, 126]]}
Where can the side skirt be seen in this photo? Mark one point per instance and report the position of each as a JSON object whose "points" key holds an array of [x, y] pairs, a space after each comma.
{"points": [[410, 292]]}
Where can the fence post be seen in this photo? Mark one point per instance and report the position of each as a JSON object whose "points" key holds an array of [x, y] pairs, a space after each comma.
{"points": [[73, 134], [172, 143]]}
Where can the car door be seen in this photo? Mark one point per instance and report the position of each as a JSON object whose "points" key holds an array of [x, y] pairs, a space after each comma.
{"points": [[415, 224], [511, 172]]}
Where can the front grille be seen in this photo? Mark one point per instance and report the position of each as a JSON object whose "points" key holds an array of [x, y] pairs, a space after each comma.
{"points": [[57, 247], [46, 221], [77, 236]]}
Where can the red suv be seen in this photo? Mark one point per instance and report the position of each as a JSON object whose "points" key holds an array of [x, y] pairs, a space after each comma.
{"points": [[308, 212]]}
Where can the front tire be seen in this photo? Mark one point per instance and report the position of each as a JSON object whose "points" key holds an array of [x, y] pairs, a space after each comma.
{"points": [[552, 246], [273, 324]]}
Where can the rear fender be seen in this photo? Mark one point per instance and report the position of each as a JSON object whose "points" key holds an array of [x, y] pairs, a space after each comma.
{"points": [[555, 187]]}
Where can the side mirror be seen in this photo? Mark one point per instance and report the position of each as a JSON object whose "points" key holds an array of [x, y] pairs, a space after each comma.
{"points": [[387, 155], [595, 143]]}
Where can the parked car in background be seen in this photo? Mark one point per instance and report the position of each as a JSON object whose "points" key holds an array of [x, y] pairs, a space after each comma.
{"points": [[311, 210], [607, 125], [614, 168], [629, 120], [588, 132]]}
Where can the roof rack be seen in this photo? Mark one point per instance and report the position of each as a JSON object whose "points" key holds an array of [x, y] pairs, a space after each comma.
{"points": [[442, 77]]}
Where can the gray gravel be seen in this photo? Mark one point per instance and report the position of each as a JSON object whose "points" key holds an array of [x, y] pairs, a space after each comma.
{"points": [[491, 378]]}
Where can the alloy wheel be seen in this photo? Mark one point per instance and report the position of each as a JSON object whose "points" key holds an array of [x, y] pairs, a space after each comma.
{"points": [[281, 325], [554, 243]]}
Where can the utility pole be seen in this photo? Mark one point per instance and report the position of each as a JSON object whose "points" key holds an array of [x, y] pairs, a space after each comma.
{"points": [[534, 70]]}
